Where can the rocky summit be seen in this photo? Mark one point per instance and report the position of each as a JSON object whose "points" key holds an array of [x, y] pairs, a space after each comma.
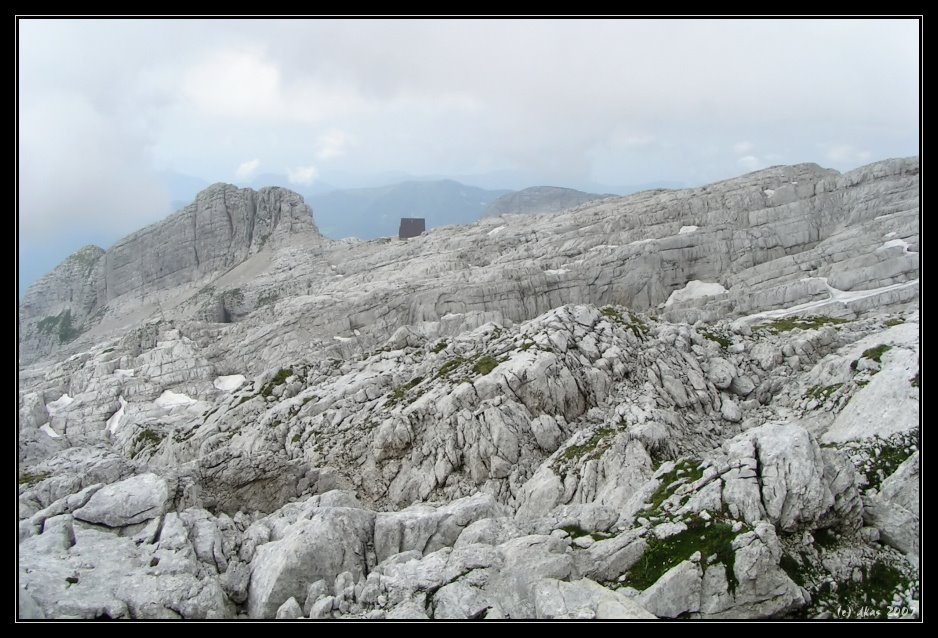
{"points": [[699, 403]]}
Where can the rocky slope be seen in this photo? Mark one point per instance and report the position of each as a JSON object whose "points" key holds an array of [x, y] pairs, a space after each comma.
{"points": [[451, 427], [220, 229], [539, 199]]}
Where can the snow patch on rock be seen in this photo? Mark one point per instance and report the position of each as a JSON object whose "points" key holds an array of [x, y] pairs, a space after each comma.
{"points": [[170, 399], [229, 383], [694, 290]]}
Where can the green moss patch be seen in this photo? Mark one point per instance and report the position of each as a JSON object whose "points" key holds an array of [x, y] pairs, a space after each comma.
{"points": [[484, 364], [876, 458], [720, 338], [634, 323], [874, 592], [279, 379], [399, 394], [592, 448], [684, 472], [28, 479], [447, 368], [823, 393], [145, 438], [709, 538], [526, 345], [575, 531], [612, 313], [876, 354]]}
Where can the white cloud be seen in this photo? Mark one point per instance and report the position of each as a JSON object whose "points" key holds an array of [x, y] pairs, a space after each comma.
{"points": [[78, 172], [233, 83], [305, 175], [247, 170], [750, 163], [100, 113], [332, 144]]}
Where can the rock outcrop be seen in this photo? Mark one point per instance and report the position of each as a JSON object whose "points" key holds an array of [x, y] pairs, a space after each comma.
{"points": [[218, 231], [449, 427]]}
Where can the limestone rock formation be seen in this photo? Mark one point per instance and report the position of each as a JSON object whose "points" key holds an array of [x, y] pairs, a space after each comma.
{"points": [[218, 231], [503, 420]]}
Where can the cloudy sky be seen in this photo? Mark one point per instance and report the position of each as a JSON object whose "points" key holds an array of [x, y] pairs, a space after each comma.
{"points": [[109, 109]]}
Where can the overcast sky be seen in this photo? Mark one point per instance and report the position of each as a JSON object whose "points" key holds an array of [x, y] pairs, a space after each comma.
{"points": [[108, 107]]}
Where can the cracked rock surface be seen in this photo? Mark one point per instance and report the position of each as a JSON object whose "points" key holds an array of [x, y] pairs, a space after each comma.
{"points": [[227, 415]]}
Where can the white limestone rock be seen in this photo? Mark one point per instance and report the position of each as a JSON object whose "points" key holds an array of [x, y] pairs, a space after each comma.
{"points": [[133, 500], [584, 599]]}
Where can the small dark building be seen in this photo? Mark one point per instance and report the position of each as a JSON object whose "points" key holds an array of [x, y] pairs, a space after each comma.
{"points": [[411, 227]]}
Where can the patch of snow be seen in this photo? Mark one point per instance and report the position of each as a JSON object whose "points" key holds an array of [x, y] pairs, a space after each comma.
{"points": [[170, 399], [59, 404], [888, 235], [768, 192], [124, 373], [836, 295], [558, 271], [853, 295], [229, 382], [114, 422], [496, 230], [896, 243], [48, 430], [686, 230], [342, 339], [694, 290]]}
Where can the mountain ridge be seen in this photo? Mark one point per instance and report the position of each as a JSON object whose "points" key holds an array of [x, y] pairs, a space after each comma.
{"points": [[676, 404]]}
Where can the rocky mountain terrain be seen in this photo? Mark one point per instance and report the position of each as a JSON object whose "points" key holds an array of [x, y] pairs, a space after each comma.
{"points": [[540, 199], [678, 404]]}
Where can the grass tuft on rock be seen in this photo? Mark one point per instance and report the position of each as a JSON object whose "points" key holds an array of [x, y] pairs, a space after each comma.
{"points": [[723, 340], [484, 365], [28, 479], [711, 540], [876, 353], [279, 379], [788, 324]]}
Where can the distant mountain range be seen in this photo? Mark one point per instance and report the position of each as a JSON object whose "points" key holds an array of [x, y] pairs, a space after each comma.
{"points": [[376, 212]]}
